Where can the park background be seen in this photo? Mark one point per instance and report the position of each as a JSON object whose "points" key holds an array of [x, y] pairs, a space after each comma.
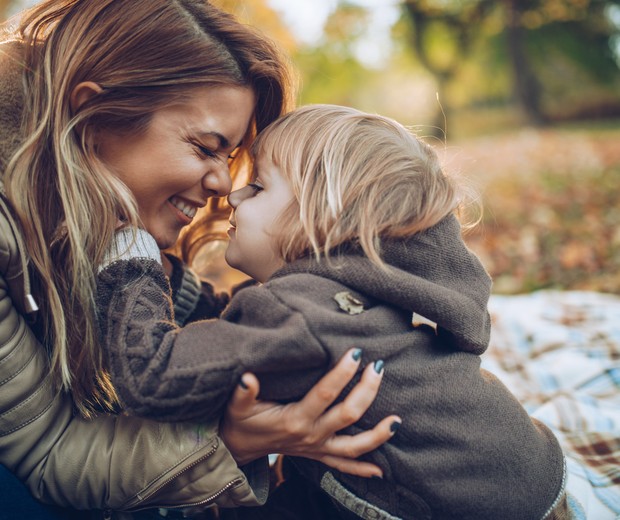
{"points": [[519, 97]]}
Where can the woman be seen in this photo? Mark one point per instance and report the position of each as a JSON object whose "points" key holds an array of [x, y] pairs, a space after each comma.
{"points": [[71, 70]]}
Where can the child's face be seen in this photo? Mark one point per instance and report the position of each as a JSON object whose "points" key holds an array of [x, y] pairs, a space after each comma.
{"points": [[256, 207]]}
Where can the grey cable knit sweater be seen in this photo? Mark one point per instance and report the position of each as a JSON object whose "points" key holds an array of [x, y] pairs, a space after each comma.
{"points": [[466, 448]]}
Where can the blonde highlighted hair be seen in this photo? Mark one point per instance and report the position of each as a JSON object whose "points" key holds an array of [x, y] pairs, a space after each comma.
{"points": [[145, 55], [356, 177]]}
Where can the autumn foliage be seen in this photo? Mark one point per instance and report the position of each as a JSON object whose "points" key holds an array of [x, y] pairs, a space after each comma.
{"points": [[551, 202]]}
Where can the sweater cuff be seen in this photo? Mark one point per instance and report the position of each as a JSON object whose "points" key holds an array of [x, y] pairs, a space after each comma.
{"points": [[187, 296], [131, 243]]}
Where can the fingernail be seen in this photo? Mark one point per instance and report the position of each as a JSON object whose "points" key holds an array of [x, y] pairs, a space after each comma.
{"points": [[379, 366], [242, 384], [394, 426], [357, 354], [377, 477]]}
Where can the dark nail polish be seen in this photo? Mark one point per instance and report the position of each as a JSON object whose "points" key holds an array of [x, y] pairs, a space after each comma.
{"points": [[377, 477], [394, 426], [242, 384], [379, 366], [357, 354]]}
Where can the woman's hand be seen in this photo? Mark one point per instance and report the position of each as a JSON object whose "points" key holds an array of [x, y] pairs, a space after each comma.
{"points": [[252, 429]]}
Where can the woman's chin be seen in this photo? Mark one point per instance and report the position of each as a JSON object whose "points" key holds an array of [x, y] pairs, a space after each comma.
{"points": [[165, 240]]}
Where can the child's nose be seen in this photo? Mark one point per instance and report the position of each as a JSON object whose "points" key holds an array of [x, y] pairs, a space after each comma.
{"points": [[238, 196]]}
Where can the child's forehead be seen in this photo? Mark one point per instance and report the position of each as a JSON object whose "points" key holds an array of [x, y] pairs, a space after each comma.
{"points": [[262, 161]]}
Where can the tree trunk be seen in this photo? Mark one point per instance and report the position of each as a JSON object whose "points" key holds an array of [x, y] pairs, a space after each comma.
{"points": [[527, 88]]}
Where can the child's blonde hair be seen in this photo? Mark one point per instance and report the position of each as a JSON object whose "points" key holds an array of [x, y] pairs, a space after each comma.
{"points": [[356, 177]]}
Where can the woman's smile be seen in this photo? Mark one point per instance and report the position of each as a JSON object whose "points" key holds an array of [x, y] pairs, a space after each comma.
{"points": [[181, 159], [188, 210]]}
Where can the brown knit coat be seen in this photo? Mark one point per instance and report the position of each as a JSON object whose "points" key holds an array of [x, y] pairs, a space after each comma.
{"points": [[466, 448]]}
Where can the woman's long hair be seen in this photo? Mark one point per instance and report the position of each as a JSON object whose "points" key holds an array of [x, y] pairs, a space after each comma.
{"points": [[145, 55]]}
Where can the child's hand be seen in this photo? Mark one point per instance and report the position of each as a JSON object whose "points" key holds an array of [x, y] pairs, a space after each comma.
{"points": [[252, 429]]}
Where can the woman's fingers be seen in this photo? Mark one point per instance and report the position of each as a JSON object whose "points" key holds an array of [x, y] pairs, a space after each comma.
{"points": [[324, 393], [309, 428], [352, 446], [359, 399], [353, 467], [243, 400]]}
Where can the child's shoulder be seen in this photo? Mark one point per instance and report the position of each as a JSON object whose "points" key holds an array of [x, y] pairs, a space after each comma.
{"points": [[297, 292], [302, 291], [309, 285]]}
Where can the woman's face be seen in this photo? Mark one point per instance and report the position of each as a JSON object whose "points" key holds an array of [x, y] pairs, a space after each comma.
{"points": [[181, 160]]}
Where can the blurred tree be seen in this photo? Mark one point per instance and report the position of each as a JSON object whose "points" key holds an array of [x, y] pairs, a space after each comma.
{"points": [[527, 88], [445, 34], [329, 69], [442, 35], [4, 8], [260, 14]]}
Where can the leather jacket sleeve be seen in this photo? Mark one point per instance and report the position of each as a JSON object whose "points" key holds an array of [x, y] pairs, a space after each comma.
{"points": [[110, 462]]}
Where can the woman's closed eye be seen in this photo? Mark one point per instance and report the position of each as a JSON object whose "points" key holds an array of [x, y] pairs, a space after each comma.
{"points": [[203, 151]]}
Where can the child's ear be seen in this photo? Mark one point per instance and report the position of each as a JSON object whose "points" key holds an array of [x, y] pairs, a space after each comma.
{"points": [[82, 93]]}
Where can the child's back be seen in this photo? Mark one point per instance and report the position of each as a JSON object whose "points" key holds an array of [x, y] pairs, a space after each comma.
{"points": [[466, 448]]}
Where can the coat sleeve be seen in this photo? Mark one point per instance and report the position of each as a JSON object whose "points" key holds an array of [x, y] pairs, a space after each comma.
{"points": [[194, 298], [166, 372]]}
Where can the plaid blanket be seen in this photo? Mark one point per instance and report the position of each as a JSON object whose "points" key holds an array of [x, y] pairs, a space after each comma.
{"points": [[559, 353]]}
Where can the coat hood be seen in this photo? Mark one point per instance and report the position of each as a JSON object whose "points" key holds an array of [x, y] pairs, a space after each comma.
{"points": [[432, 274], [11, 101]]}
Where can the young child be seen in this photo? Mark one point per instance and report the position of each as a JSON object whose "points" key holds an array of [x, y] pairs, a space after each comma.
{"points": [[349, 227]]}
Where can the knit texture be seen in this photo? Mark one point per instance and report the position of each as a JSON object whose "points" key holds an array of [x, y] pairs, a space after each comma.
{"points": [[194, 299], [466, 448]]}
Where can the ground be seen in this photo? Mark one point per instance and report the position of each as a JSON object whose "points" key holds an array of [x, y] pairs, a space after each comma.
{"points": [[551, 217]]}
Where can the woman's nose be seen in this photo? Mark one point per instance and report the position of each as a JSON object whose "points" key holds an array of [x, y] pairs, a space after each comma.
{"points": [[238, 196], [218, 180]]}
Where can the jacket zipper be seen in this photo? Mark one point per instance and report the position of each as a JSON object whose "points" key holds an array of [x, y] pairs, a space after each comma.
{"points": [[222, 490]]}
